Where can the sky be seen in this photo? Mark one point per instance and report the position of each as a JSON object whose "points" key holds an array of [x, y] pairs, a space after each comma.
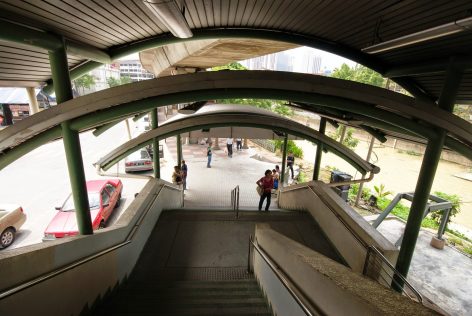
{"points": [[328, 60]]}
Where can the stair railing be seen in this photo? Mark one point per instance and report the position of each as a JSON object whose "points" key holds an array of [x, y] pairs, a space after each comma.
{"points": [[387, 272], [308, 308], [235, 200], [374, 260]]}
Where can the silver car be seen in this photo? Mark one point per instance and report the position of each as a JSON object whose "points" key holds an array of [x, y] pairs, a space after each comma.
{"points": [[138, 161]]}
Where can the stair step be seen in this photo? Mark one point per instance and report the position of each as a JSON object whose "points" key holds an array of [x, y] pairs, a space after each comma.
{"points": [[179, 303], [193, 310]]}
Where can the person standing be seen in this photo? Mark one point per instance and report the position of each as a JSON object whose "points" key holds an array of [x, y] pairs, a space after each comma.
{"points": [[184, 174], [239, 145], [275, 175], [209, 153], [177, 176], [229, 145], [290, 162], [266, 183]]}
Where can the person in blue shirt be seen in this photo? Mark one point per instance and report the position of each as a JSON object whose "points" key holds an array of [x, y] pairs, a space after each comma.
{"points": [[184, 169]]}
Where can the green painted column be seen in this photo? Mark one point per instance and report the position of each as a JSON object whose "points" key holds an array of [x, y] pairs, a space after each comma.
{"points": [[426, 176], [319, 151], [284, 159], [155, 146], [179, 151], [63, 90]]}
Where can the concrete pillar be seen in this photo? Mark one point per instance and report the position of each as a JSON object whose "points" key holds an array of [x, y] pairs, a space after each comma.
{"points": [[33, 102]]}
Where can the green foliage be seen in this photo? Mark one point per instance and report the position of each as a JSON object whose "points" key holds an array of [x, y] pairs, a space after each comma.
{"points": [[402, 212], [271, 105], [230, 66], [291, 147], [456, 206], [354, 189], [349, 140], [84, 82], [302, 177], [412, 153], [380, 191], [113, 82], [125, 80], [359, 73]]}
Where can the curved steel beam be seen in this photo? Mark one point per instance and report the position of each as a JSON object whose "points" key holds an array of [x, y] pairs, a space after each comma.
{"points": [[228, 118], [367, 60], [119, 102]]}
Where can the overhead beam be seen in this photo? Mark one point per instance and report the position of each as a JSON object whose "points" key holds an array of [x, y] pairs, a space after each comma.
{"points": [[380, 105], [240, 119], [428, 67], [367, 60], [13, 32]]}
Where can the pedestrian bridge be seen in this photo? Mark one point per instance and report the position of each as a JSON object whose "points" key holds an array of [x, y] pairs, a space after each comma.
{"points": [[155, 250]]}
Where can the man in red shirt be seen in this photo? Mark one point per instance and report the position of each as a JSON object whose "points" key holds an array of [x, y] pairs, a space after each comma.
{"points": [[266, 183]]}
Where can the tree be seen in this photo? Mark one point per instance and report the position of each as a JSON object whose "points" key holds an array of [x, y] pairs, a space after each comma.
{"points": [[126, 79], [84, 82], [272, 105], [360, 74], [113, 82]]}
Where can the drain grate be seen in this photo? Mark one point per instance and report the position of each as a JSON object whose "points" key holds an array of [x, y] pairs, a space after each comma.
{"points": [[205, 273]]}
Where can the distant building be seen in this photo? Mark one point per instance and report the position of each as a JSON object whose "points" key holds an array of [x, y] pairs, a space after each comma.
{"points": [[134, 70], [14, 103], [103, 73]]}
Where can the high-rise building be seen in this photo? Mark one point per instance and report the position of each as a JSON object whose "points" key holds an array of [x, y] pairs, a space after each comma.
{"points": [[134, 70]]}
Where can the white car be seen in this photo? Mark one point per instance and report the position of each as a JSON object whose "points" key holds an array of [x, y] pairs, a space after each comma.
{"points": [[138, 161], [12, 218]]}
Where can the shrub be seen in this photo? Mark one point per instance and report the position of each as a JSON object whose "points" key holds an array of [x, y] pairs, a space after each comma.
{"points": [[380, 191], [349, 141], [354, 189], [291, 147], [456, 207]]}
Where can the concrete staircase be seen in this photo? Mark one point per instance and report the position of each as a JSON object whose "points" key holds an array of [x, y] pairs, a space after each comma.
{"points": [[190, 297]]}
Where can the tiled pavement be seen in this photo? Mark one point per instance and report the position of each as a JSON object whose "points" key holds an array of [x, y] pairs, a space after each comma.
{"points": [[212, 186]]}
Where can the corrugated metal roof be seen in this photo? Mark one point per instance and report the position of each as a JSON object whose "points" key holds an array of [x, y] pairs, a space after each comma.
{"points": [[352, 24]]}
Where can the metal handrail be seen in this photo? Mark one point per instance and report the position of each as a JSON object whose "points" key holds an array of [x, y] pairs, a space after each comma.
{"points": [[235, 200], [395, 272], [367, 247], [79, 262], [284, 280]]}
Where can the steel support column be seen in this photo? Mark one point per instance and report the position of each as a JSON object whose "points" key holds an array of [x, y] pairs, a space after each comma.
{"points": [[284, 158], [426, 176], [63, 89], [156, 159], [179, 151], [319, 151]]}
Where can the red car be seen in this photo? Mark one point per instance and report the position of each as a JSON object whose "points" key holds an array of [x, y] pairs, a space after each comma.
{"points": [[103, 196]]}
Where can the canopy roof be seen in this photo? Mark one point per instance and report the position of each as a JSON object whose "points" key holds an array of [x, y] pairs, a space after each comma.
{"points": [[117, 28]]}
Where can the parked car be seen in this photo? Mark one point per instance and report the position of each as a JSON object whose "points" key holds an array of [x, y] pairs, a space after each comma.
{"points": [[12, 218], [103, 195], [138, 161]]}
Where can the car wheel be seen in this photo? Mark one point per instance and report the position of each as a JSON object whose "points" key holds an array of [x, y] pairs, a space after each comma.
{"points": [[102, 224], [7, 237], [118, 202]]}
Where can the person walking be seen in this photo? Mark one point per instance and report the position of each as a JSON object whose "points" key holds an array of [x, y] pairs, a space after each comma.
{"points": [[184, 174], [290, 162], [266, 183], [239, 145], [209, 153], [229, 145]]}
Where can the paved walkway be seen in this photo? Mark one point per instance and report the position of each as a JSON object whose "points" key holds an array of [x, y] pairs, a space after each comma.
{"points": [[212, 186], [441, 275]]}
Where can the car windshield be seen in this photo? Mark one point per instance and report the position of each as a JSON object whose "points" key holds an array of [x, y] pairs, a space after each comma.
{"points": [[94, 202]]}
